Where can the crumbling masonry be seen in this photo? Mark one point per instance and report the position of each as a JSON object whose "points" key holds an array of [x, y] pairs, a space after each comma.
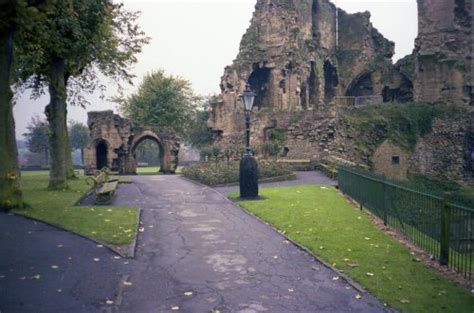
{"points": [[114, 140], [306, 59]]}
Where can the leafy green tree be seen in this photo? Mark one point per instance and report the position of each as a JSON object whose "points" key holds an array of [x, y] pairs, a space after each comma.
{"points": [[198, 134], [65, 52], [14, 16], [79, 136], [37, 137], [148, 152], [161, 101]]}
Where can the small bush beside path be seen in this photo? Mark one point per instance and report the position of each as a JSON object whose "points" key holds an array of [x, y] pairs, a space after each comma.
{"points": [[222, 172], [321, 219]]}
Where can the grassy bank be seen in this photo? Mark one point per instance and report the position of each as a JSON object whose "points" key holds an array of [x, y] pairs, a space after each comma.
{"points": [[322, 220], [106, 224]]}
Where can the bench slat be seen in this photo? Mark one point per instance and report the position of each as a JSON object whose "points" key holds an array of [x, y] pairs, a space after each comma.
{"points": [[109, 187]]}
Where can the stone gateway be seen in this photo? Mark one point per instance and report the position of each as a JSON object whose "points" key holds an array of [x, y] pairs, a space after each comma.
{"points": [[114, 140]]}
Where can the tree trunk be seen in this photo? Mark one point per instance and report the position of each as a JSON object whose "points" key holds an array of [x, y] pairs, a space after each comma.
{"points": [[82, 156], [69, 167], [10, 193], [46, 156], [56, 112]]}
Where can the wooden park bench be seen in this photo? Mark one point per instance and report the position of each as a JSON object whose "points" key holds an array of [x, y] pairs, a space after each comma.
{"points": [[104, 188]]}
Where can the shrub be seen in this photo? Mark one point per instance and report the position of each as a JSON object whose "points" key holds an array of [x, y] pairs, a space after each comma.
{"points": [[228, 172]]}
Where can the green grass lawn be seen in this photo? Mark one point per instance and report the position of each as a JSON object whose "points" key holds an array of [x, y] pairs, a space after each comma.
{"points": [[322, 220], [111, 225], [155, 170]]}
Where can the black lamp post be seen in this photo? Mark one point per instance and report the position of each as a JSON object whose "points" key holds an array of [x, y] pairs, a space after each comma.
{"points": [[248, 164]]}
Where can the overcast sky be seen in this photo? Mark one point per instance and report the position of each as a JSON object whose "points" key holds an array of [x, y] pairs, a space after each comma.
{"points": [[196, 39]]}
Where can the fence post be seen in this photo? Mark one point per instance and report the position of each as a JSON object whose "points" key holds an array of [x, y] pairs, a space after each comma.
{"points": [[384, 205], [444, 242]]}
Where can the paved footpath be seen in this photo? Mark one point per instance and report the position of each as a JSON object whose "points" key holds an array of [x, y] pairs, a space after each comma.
{"points": [[198, 252]]}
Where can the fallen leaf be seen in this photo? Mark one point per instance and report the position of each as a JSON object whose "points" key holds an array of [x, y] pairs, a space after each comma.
{"points": [[291, 290], [370, 274], [96, 259], [59, 246], [358, 297], [100, 246], [335, 278], [127, 283], [59, 290], [346, 260], [141, 229], [117, 257], [188, 293], [275, 257], [367, 238], [353, 264], [175, 308], [106, 220], [321, 247], [36, 277], [404, 301], [54, 267], [109, 302], [23, 277]]}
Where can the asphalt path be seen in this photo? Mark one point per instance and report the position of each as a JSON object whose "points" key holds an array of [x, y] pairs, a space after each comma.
{"points": [[197, 252]]}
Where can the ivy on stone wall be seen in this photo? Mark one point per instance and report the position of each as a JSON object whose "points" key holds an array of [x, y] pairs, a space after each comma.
{"points": [[401, 123]]}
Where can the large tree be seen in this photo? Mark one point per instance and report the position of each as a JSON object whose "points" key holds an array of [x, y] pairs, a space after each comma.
{"points": [[37, 137], [161, 101], [79, 135], [199, 135], [14, 15], [65, 52]]}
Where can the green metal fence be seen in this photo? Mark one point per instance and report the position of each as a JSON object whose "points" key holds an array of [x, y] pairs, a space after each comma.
{"points": [[443, 229]]}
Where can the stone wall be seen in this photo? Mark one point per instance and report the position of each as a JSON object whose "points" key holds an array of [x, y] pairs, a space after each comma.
{"points": [[114, 140], [304, 75], [443, 56], [391, 160], [291, 59]]}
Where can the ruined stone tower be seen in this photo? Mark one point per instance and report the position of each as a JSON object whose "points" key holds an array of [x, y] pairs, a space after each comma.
{"points": [[296, 60], [308, 60], [443, 56]]}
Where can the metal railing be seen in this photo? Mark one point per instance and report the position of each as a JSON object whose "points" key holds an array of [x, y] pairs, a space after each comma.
{"points": [[443, 229], [346, 101]]}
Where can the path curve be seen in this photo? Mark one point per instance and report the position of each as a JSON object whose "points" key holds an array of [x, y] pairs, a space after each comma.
{"points": [[195, 241], [197, 252]]}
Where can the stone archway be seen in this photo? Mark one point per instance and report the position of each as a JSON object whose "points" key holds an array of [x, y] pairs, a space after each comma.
{"points": [[101, 154], [361, 86], [114, 140], [150, 135]]}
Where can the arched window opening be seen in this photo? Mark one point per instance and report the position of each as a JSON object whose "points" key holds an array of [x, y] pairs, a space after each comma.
{"points": [[259, 82], [101, 155], [331, 81]]}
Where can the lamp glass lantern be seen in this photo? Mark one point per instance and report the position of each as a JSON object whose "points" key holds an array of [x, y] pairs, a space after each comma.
{"points": [[248, 96]]}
